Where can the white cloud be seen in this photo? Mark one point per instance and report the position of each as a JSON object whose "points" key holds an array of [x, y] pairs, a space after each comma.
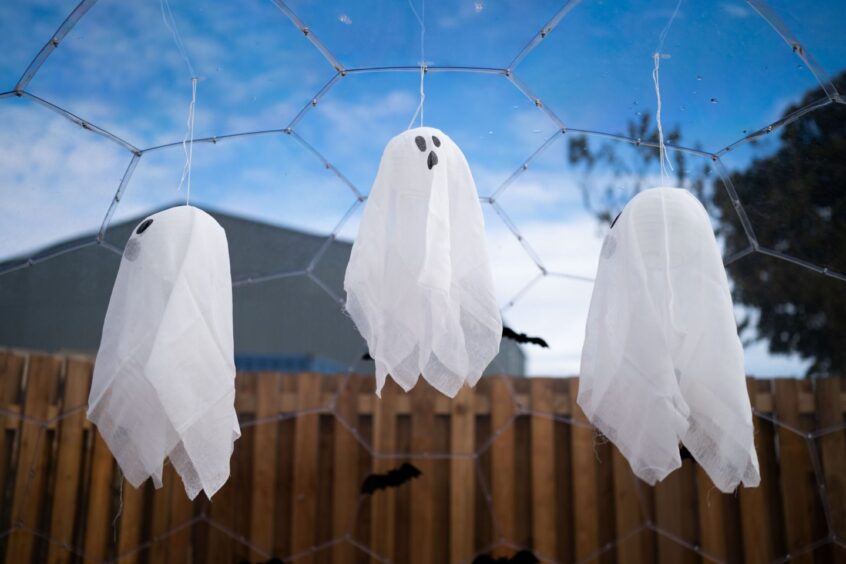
{"points": [[553, 308], [120, 69], [735, 10], [348, 118], [57, 180], [761, 363]]}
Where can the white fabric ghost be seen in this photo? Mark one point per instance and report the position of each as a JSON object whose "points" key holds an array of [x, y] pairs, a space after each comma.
{"points": [[418, 283], [662, 362], [164, 378]]}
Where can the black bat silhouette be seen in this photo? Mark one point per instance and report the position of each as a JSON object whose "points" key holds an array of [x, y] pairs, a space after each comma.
{"points": [[396, 477], [509, 333], [521, 557]]}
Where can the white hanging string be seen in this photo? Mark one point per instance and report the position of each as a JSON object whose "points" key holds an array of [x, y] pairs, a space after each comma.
{"points": [[662, 154], [662, 151], [170, 22], [188, 143], [188, 140], [421, 19], [656, 58]]}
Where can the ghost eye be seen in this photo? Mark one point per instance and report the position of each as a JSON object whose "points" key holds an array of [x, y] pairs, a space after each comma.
{"points": [[615, 220], [143, 227], [421, 143], [436, 141]]}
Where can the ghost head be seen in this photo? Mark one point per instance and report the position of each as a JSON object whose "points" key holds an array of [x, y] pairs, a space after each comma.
{"points": [[164, 377], [662, 363], [419, 286]]}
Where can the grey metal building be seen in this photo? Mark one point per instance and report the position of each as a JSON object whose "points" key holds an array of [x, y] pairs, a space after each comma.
{"points": [[288, 323]]}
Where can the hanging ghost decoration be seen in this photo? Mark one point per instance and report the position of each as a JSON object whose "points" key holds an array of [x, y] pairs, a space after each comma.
{"points": [[163, 382], [662, 363], [418, 283]]}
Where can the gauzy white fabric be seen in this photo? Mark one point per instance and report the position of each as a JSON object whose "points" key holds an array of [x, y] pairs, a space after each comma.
{"points": [[419, 284], [164, 378], [662, 362]]}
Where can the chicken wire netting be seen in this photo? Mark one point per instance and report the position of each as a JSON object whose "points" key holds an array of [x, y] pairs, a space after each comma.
{"points": [[552, 104]]}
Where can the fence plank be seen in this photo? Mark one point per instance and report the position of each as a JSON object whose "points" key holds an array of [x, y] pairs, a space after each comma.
{"points": [[323, 493], [382, 506], [69, 457], [98, 522], [160, 517], [502, 462], [462, 476], [585, 498], [627, 510], [345, 478], [796, 471], [832, 447], [283, 509], [713, 516], [306, 449], [11, 374], [265, 440], [542, 400], [30, 479], [422, 489], [402, 501], [129, 536], [756, 507], [438, 517], [564, 524], [675, 515], [181, 512], [228, 526]]}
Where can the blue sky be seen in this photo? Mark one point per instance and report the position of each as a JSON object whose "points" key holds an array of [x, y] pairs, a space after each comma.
{"points": [[728, 72]]}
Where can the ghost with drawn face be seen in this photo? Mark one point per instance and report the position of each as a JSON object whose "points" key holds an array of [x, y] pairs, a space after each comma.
{"points": [[163, 382], [419, 285]]}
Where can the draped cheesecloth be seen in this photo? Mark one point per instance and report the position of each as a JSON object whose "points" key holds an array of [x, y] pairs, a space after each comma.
{"points": [[164, 376], [662, 363], [419, 285]]}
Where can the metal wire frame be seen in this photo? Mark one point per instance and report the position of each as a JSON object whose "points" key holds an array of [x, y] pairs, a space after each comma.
{"points": [[544, 31], [48, 48], [771, 17], [508, 73]]}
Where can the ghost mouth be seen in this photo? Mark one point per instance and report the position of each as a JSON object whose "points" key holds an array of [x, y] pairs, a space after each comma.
{"points": [[432, 160]]}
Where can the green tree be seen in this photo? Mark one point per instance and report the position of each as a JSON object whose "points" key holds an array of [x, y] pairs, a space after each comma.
{"points": [[796, 202]]}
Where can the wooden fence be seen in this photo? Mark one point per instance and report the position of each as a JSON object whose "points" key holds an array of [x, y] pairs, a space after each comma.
{"points": [[503, 467]]}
